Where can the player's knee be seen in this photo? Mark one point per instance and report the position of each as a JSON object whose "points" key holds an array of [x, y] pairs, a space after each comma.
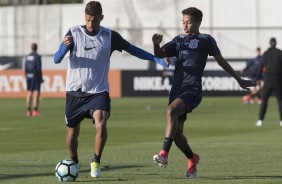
{"points": [[100, 126], [101, 131], [72, 134], [172, 112]]}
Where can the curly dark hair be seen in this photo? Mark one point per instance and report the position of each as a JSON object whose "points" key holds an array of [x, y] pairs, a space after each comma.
{"points": [[194, 12], [93, 8]]}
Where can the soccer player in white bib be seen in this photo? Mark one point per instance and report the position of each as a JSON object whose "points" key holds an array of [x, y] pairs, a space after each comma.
{"points": [[87, 86]]}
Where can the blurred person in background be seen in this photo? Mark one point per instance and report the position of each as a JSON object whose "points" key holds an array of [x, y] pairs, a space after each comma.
{"points": [[254, 67], [272, 62], [33, 75], [87, 86], [191, 50]]}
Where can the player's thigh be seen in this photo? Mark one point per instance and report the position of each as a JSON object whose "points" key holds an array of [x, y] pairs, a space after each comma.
{"points": [[37, 85], [178, 104], [100, 107], [191, 101], [30, 84], [75, 110]]}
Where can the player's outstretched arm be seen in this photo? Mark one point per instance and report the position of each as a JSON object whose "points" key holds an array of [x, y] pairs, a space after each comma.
{"points": [[224, 64], [63, 49], [140, 53]]}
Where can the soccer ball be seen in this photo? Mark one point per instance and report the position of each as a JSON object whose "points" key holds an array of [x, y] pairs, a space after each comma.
{"points": [[66, 170]]}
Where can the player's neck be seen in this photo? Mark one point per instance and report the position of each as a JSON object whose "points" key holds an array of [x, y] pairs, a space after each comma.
{"points": [[92, 33]]}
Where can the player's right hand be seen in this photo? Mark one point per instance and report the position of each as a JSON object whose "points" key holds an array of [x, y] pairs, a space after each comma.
{"points": [[245, 84], [68, 40], [157, 38]]}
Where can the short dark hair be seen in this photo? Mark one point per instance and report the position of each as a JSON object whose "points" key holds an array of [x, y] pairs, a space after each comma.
{"points": [[34, 47], [258, 49], [272, 42], [194, 12], [93, 8]]}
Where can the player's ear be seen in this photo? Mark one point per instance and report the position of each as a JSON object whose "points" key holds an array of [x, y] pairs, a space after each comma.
{"points": [[199, 23]]}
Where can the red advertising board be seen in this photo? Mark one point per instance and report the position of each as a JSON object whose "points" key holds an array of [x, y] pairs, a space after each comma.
{"points": [[13, 85]]}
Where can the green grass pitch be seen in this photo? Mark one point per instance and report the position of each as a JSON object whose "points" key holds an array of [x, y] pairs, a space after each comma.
{"points": [[221, 130]]}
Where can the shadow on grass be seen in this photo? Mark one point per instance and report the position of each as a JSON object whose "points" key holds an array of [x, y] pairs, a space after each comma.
{"points": [[242, 178], [104, 169], [134, 176], [19, 176], [115, 167]]}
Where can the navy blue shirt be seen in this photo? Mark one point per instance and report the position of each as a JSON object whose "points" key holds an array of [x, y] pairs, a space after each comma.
{"points": [[254, 65], [191, 53], [33, 66]]}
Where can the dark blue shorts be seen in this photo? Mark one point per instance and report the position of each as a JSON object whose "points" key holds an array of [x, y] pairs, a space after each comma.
{"points": [[80, 107], [33, 84], [191, 100]]}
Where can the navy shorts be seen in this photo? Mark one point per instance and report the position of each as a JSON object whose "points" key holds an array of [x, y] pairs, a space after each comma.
{"points": [[80, 107], [191, 100], [33, 84]]}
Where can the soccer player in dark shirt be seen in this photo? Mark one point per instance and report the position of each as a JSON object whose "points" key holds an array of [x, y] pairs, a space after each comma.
{"points": [[254, 66], [33, 74], [272, 61], [191, 50]]}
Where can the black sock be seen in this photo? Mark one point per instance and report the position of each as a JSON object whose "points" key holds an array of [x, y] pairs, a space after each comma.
{"points": [[75, 159], [35, 108], [28, 108], [167, 143], [96, 158]]}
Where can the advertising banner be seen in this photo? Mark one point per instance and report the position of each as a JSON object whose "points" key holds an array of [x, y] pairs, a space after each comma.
{"points": [[13, 83], [153, 83]]}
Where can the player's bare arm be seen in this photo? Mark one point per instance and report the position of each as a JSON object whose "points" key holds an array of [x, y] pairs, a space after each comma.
{"points": [[157, 39], [225, 65]]}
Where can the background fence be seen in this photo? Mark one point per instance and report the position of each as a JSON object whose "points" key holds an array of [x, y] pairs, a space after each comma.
{"points": [[238, 26]]}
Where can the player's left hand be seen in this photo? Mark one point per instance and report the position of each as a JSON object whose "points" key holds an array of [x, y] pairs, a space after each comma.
{"points": [[245, 84], [157, 38]]}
